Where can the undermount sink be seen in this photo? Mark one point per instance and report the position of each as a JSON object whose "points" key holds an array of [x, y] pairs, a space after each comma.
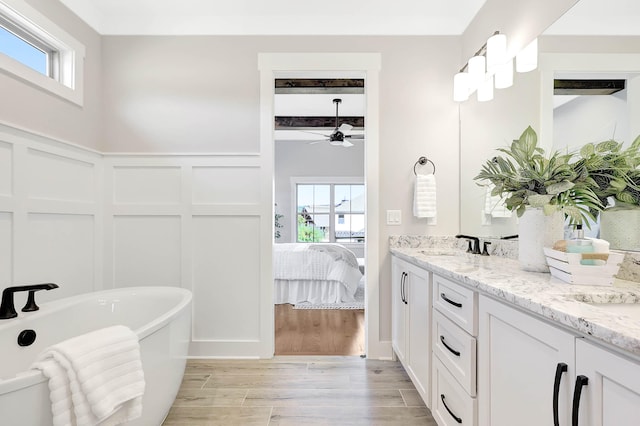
{"points": [[631, 310], [440, 252]]}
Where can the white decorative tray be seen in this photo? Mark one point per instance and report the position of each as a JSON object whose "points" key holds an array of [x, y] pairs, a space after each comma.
{"points": [[567, 267]]}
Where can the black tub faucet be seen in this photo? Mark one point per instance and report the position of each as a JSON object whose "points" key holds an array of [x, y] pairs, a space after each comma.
{"points": [[474, 243], [8, 310]]}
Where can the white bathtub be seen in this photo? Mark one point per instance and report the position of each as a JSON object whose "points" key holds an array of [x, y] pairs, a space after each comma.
{"points": [[161, 316]]}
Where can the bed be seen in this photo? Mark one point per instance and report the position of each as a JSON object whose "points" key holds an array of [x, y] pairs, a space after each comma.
{"points": [[315, 273]]}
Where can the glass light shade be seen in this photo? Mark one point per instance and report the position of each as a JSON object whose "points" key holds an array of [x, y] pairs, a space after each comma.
{"points": [[476, 67], [504, 75], [496, 51], [485, 90], [461, 87], [527, 58]]}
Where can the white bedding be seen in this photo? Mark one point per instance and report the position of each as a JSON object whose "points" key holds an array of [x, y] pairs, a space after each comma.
{"points": [[314, 273]]}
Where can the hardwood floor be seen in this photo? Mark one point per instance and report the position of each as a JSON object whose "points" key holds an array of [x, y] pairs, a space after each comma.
{"points": [[297, 390], [318, 331]]}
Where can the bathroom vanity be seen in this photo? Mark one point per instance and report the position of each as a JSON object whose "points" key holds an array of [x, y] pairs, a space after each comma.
{"points": [[489, 344]]}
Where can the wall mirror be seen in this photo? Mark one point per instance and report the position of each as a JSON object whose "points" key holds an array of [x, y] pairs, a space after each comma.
{"points": [[488, 125]]}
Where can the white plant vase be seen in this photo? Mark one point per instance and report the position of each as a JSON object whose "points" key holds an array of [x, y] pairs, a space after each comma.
{"points": [[535, 231]]}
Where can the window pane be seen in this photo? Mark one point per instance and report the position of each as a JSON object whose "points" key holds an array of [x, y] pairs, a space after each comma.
{"points": [[349, 228], [313, 228], [322, 198], [18, 49], [349, 198]]}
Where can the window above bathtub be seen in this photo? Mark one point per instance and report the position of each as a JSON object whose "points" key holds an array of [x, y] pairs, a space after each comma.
{"points": [[35, 50]]}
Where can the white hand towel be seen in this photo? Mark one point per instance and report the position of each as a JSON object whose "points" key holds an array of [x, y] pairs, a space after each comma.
{"points": [[94, 378], [424, 197], [494, 204]]}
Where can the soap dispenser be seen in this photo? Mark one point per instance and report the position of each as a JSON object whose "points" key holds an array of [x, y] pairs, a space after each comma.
{"points": [[579, 244]]}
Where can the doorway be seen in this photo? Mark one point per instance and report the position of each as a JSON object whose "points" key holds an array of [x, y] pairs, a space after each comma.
{"points": [[282, 65], [319, 189]]}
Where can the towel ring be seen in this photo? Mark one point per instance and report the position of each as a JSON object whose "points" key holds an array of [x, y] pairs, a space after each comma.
{"points": [[422, 161]]}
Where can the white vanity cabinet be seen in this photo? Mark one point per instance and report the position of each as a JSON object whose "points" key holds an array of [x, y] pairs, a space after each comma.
{"points": [[532, 373], [411, 323], [610, 395], [455, 325], [520, 359]]}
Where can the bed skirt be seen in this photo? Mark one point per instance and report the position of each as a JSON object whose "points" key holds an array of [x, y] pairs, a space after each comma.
{"points": [[312, 291]]}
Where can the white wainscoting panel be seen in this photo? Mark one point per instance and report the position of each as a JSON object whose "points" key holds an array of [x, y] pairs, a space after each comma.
{"points": [[147, 185], [226, 278], [57, 177], [50, 214], [6, 169], [226, 185], [6, 249], [60, 249], [147, 251]]}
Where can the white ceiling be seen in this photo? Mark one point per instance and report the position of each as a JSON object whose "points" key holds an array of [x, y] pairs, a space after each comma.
{"points": [[599, 17], [277, 17]]}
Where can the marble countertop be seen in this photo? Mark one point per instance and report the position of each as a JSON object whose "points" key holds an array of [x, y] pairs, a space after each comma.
{"points": [[538, 293]]}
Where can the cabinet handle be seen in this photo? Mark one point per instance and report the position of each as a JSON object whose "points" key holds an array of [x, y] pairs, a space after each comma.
{"points": [[580, 382], [404, 286], [560, 368], [453, 351], [456, 418], [446, 299], [404, 274]]}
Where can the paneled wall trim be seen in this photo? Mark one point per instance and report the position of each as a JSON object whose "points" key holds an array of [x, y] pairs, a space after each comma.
{"points": [[193, 221], [88, 221], [50, 214]]}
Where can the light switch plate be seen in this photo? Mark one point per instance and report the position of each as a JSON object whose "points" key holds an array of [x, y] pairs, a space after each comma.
{"points": [[394, 217]]}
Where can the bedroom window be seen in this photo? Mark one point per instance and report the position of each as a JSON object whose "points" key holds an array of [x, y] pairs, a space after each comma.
{"points": [[330, 212]]}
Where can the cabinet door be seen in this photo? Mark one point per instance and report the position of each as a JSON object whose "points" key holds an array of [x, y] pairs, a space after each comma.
{"points": [[398, 308], [611, 396], [518, 357], [418, 295]]}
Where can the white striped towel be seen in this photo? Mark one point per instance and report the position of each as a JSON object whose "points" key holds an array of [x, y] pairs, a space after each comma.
{"points": [[494, 204], [424, 197], [94, 378]]}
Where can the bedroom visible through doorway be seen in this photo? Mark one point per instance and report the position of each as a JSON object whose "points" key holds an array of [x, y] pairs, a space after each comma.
{"points": [[319, 241]]}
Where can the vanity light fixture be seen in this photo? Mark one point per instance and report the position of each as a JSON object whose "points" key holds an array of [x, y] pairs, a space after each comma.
{"points": [[527, 58], [490, 67]]}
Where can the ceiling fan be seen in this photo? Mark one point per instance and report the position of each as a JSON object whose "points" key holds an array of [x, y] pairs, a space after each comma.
{"points": [[339, 136]]}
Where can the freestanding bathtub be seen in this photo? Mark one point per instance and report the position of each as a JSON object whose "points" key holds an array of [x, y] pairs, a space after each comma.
{"points": [[160, 316]]}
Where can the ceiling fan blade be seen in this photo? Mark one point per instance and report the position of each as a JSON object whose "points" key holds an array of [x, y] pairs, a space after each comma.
{"points": [[336, 143], [317, 141], [345, 128], [346, 144], [354, 136], [314, 133]]}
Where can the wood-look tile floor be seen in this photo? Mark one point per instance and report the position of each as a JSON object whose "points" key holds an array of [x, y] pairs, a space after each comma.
{"points": [[297, 391]]}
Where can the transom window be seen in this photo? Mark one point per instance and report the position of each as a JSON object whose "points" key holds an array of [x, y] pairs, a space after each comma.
{"points": [[330, 212], [18, 44], [35, 50]]}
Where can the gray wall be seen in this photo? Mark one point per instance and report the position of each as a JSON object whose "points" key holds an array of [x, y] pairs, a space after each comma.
{"points": [[201, 94], [31, 108]]}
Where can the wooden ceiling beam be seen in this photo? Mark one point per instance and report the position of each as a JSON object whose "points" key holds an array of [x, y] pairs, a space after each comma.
{"points": [[317, 122], [319, 85], [587, 87]]}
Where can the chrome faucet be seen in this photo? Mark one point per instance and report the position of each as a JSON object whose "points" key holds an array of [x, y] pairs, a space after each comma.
{"points": [[8, 310], [474, 243]]}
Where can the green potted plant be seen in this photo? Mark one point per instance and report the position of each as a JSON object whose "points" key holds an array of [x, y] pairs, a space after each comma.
{"points": [[542, 189], [616, 176], [526, 177]]}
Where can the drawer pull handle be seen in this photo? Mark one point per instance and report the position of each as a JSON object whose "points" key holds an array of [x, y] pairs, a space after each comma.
{"points": [[456, 418], [446, 299], [403, 281], [580, 382], [561, 368], [453, 351]]}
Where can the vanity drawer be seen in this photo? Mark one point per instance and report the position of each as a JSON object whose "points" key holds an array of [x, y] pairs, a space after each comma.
{"points": [[456, 349], [450, 404], [457, 303]]}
